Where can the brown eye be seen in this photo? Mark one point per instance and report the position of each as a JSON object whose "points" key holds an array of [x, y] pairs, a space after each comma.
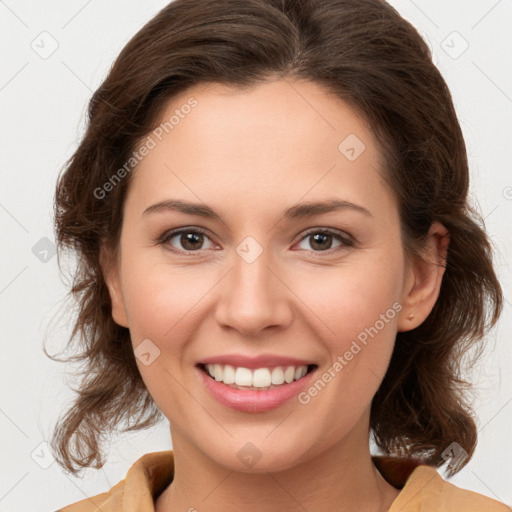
{"points": [[191, 241], [322, 240], [188, 240]]}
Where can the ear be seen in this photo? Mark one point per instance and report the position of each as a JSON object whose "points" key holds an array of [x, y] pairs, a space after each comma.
{"points": [[110, 268], [423, 277]]}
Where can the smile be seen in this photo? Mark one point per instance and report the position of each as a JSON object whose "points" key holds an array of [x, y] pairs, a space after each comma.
{"points": [[256, 379], [256, 389]]}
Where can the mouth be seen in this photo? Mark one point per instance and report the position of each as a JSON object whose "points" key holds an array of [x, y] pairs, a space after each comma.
{"points": [[256, 379]]}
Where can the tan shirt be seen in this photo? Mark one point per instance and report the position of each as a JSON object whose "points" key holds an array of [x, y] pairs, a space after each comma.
{"points": [[422, 488]]}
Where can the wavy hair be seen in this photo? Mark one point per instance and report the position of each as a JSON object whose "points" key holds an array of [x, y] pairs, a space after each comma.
{"points": [[364, 52]]}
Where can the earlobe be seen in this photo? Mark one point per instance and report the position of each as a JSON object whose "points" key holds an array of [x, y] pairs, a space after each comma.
{"points": [[110, 269], [423, 279]]}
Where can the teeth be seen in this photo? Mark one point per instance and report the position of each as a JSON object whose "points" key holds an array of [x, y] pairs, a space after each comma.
{"points": [[259, 378], [229, 374], [277, 375], [300, 372], [289, 374], [217, 372], [243, 377]]}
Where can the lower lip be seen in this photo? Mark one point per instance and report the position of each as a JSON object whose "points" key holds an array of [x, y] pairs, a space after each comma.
{"points": [[251, 400]]}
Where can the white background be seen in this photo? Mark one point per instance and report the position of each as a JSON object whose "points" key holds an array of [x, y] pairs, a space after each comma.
{"points": [[43, 111]]}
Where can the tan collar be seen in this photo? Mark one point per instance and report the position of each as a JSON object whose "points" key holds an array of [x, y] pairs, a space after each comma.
{"points": [[153, 472], [422, 488]]}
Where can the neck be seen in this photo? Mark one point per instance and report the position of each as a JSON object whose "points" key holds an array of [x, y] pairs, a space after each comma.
{"points": [[341, 478]]}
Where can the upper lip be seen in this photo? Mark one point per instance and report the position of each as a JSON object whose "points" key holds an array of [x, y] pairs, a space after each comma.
{"points": [[253, 362]]}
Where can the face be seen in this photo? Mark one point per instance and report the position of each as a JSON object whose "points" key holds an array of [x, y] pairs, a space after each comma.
{"points": [[254, 279]]}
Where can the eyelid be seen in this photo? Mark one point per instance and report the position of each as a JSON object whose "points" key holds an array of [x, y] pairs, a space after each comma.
{"points": [[346, 239], [331, 231], [187, 229]]}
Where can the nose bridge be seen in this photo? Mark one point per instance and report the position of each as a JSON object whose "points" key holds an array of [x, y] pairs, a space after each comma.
{"points": [[252, 297]]}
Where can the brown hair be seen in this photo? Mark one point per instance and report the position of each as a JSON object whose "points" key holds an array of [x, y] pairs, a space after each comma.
{"points": [[368, 55]]}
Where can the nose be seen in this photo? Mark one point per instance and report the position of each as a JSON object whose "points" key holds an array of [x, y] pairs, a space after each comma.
{"points": [[253, 297]]}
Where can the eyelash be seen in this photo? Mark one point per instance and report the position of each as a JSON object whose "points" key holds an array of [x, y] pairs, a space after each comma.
{"points": [[346, 240]]}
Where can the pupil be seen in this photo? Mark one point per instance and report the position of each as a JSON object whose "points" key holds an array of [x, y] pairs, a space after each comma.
{"points": [[321, 236], [189, 239]]}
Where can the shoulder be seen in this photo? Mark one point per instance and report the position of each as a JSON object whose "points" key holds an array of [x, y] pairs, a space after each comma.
{"points": [[147, 477], [427, 491], [106, 501]]}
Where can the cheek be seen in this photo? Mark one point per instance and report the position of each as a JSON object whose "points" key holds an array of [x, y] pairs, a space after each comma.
{"points": [[160, 298], [348, 299], [162, 305], [337, 303], [357, 309]]}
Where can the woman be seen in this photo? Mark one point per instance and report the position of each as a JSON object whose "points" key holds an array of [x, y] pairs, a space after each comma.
{"points": [[228, 144]]}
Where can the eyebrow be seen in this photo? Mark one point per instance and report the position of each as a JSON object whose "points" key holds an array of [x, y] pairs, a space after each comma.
{"points": [[301, 210]]}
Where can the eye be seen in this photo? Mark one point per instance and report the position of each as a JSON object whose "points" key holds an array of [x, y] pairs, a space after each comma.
{"points": [[190, 239], [320, 240], [193, 239]]}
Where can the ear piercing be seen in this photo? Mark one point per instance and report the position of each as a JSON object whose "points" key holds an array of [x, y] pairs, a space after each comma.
{"points": [[410, 317]]}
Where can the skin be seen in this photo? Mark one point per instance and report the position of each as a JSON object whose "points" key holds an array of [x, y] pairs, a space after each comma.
{"points": [[250, 154]]}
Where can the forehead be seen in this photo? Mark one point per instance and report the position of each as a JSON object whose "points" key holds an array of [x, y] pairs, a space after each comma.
{"points": [[279, 139], [283, 114]]}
